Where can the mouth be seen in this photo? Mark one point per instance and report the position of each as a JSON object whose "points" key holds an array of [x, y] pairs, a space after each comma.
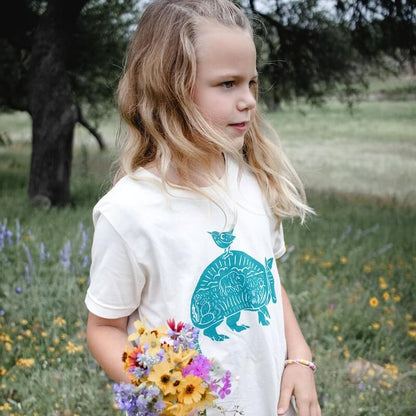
{"points": [[239, 126]]}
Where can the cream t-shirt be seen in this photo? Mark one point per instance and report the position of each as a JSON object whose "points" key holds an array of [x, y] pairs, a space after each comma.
{"points": [[160, 255]]}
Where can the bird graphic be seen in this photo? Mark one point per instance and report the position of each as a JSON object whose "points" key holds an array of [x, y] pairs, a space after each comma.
{"points": [[223, 240]]}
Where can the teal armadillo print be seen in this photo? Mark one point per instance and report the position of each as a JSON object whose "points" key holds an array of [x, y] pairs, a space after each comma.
{"points": [[233, 282]]}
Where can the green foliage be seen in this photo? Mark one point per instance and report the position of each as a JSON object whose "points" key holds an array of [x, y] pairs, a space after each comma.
{"points": [[307, 50]]}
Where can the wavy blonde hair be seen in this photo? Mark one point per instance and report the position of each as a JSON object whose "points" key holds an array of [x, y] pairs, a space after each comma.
{"points": [[164, 125]]}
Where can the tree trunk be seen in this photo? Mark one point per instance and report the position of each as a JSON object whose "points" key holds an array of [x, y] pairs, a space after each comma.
{"points": [[51, 104]]}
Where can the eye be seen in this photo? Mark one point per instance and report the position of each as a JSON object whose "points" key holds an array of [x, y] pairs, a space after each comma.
{"points": [[252, 83], [228, 84]]}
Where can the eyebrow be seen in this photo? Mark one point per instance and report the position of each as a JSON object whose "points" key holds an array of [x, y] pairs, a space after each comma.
{"points": [[233, 75]]}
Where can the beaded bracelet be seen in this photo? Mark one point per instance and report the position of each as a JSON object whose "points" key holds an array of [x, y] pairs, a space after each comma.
{"points": [[306, 363]]}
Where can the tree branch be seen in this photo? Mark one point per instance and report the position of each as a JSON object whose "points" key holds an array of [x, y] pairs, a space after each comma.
{"points": [[81, 120]]}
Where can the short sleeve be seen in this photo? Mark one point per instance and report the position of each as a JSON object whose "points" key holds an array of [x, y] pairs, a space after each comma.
{"points": [[279, 247], [116, 281]]}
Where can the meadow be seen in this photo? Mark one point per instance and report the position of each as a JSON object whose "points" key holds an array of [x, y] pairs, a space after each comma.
{"points": [[349, 271]]}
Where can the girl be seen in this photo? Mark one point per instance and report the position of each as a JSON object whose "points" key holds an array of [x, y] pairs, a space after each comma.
{"points": [[192, 226]]}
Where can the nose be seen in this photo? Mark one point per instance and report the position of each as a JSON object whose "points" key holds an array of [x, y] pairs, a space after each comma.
{"points": [[247, 100]]}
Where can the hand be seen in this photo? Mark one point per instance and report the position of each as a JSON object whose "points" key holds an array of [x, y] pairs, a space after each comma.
{"points": [[299, 381]]}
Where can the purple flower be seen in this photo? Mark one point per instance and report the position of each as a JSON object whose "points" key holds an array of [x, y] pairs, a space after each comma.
{"points": [[361, 386], [66, 256], [18, 289], [200, 367], [226, 388]]}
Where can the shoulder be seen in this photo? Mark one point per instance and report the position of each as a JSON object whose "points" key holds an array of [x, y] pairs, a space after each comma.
{"points": [[130, 196]]}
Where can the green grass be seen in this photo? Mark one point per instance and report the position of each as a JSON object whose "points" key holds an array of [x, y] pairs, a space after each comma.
{"points": [[370, 151], [349, 272]]}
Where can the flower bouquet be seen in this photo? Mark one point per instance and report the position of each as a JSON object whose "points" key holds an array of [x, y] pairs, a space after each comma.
{"points": [[168, 375]]}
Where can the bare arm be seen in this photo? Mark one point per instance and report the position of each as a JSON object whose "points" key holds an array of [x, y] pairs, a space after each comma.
{"points": [[297, 380], [296, 344], [107, 340]]}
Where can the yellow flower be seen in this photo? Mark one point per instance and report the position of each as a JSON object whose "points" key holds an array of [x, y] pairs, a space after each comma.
{"points": [[346, 352], [24, 321], [335, 328], [373, 302], [396, 298], [383, 283], [5, 406], [25, 362], [59, 321], [386, 296], [177, 409], [151, 340], [164, 376], [326, 264], [340, 338], [207, 400], [344, 260], [368, 268], [191, 390], [375, 325], [73, 348], [182, 358], [3, 371], [411, 333]]}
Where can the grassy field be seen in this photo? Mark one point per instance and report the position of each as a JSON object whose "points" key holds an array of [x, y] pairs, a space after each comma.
{"points": [[349, 271]]}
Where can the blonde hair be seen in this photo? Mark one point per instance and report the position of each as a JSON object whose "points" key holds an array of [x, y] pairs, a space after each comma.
{"points": [[164, 125]]}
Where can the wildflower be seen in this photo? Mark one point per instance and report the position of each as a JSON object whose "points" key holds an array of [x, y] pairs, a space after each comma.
{"points": [[43, 253], [411, 333], [383, 283], [18, 289], [59, 321], [73, 348], [200, 367], [226, 388], [386, 296], [335, 328], [151, 342], [66, 256], [373, 302], [375, 326], [191, 390], [396, 298], [344, 260], [164, 377], [361, 386], [326, 264], [25, 362], [5, 406], [368, 268]]}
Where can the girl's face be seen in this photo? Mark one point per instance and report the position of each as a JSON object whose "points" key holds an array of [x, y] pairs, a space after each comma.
{"points": [[226, 77]]}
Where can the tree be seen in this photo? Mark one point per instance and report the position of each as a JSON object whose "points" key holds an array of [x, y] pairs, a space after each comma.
{"points": [[309, 51], [60, 58]]}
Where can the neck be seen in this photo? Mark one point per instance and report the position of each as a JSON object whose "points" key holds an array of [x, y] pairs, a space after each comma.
{"points": [[217, 165]]}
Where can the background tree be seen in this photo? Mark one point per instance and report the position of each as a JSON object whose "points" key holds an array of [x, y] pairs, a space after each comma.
{"points": [[310, 49], [59, 59]]}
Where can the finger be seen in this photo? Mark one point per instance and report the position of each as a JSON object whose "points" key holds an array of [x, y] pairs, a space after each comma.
{"points": [[304, 407], [316, 410], [284, 401]]}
